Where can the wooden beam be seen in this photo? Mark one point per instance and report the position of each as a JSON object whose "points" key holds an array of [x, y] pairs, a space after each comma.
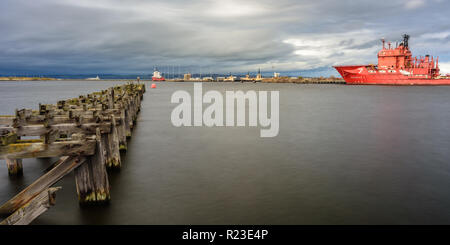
{"points": [[55, 149], [128, 122], [121, 130], [7, 120], [112, 145], [63, 166], [38, 130], [15, 167], [92, 178], [59, 119], [7, 137], [35, 207]]}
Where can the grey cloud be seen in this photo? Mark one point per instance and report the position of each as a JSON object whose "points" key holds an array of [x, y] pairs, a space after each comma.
{"points": [[131, 36]]}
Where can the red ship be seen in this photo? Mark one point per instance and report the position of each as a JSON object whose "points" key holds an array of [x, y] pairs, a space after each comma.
{"points": [[396, 66], [157, 76]]}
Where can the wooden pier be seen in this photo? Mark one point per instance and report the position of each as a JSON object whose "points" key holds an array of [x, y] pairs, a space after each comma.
{"points": [[87, 134]]}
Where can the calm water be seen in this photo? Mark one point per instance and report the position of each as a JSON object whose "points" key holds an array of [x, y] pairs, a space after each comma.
{"points": [[344, 155]]}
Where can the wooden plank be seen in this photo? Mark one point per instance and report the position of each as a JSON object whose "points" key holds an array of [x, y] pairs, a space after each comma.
{"points": [[55, 149], [80, 111], [92, 178], [7, 120], [107, 150], [70, 128], [51, 136], [121, 132], [61, 119], [15, 167], [115, 144], [7, 137], [132, 110], [99, 173], [113, 147], [35, 207], [111, 98], [21, 117], [128, 120], [63, 166]]}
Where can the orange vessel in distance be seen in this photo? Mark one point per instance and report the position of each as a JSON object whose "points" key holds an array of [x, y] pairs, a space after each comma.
{"points": [[396, 66]]}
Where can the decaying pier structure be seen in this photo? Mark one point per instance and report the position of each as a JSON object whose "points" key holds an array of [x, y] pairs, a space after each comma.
{"points": [[86, 133]]}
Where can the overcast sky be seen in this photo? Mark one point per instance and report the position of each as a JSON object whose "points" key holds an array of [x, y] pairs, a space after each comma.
{"points": [[114, 36]]}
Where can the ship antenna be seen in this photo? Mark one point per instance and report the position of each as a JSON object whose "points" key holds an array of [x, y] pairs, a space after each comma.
{"points": [[405, 40], [383, 41]]}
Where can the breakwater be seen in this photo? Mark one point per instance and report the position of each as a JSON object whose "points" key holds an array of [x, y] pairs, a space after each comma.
{"points": [[87, 134]]}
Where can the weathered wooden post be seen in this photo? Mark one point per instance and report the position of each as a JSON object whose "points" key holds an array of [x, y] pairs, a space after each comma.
{"points": [[128, 120], [133, 111], [15, 167], [122, 131], [92, 179], [113, 144], [111, 98]]}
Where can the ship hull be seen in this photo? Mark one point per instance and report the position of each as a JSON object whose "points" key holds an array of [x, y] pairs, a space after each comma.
{"points": [[158, 79], [355, 75]]}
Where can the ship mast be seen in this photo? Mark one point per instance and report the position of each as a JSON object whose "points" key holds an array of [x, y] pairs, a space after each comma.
{"points": [[405, 40]]}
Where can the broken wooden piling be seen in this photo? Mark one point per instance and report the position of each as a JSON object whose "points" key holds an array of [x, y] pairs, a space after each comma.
{"points": [[31, 210], [87, 133]]}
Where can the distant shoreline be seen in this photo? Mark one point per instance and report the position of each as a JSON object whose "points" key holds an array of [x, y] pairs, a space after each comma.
{"points": [[320, 80], [27, 79]]}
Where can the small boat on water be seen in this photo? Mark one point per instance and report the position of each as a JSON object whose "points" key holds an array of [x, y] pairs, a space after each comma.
{"points": [[230, 78], [157, 76], [93, 78]]}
